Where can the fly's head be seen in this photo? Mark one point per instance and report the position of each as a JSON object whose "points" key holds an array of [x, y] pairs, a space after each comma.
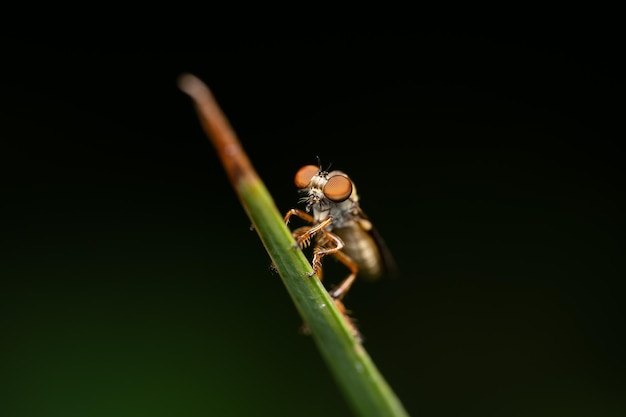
{"points": [[326, 193]]}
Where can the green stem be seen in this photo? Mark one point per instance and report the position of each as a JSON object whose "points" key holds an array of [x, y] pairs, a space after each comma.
{"points": [[360, 381]]}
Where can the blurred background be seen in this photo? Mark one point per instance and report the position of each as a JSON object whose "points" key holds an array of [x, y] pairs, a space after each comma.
{"points": [[132, 284]]}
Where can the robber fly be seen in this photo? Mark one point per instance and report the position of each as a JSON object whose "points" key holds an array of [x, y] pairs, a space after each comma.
{"points": [[339, 228]]}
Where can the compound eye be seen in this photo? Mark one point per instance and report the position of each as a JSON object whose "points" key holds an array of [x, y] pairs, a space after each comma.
{"points": [[305, 175], [338, 188]]}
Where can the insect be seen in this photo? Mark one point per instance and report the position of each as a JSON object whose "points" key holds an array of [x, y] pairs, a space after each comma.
{"points": [[338, 227]]}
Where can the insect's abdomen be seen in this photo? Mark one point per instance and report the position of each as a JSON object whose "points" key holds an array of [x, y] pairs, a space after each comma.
{"points": [[362, 249]]}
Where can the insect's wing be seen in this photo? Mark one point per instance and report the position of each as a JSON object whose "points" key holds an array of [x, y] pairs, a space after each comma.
{"points": [[389, 263], [390, 267]]}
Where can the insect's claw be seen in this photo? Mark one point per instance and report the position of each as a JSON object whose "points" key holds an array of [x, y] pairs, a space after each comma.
{"points": [[304, 241]]}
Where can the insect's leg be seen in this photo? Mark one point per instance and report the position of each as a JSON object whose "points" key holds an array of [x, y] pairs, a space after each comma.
{"points": [[331, 244], [320, 251], [338, 293], [305, 238], [345, 285], [298, 234], [349, 320], [302, 214], [319, 247], [316, 262]]}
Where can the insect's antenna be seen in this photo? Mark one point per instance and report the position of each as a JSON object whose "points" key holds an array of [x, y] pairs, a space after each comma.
{"points": [[319, 162]]}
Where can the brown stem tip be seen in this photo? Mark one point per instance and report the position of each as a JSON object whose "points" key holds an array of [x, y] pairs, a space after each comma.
{"points": [[218, 129]]}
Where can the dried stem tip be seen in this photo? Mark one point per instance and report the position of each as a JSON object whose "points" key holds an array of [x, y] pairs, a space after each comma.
{"points": [[218, 129]]}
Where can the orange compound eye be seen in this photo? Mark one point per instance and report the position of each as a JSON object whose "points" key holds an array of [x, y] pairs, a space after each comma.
{"points": [[304, 175], [338, 188]]}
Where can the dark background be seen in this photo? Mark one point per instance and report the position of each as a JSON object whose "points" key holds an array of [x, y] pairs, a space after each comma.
{"points": [[490, 163]]}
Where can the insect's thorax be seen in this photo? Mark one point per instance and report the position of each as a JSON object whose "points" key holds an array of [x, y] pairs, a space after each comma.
{"points": [[343, 213]]}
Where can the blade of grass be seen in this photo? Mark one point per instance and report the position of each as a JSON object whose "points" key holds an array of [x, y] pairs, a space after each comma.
{"points": [[356, 374]]}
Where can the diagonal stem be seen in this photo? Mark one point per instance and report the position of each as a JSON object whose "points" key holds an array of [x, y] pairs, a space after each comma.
{"points": [[363, 386]]}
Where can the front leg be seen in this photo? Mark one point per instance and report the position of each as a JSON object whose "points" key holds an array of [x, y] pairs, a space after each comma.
{"points": [[322, 249], [303, 238], [302, 214]]}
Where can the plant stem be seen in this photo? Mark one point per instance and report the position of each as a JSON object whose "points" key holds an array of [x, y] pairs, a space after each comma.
{"points": [[360, 381]]}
